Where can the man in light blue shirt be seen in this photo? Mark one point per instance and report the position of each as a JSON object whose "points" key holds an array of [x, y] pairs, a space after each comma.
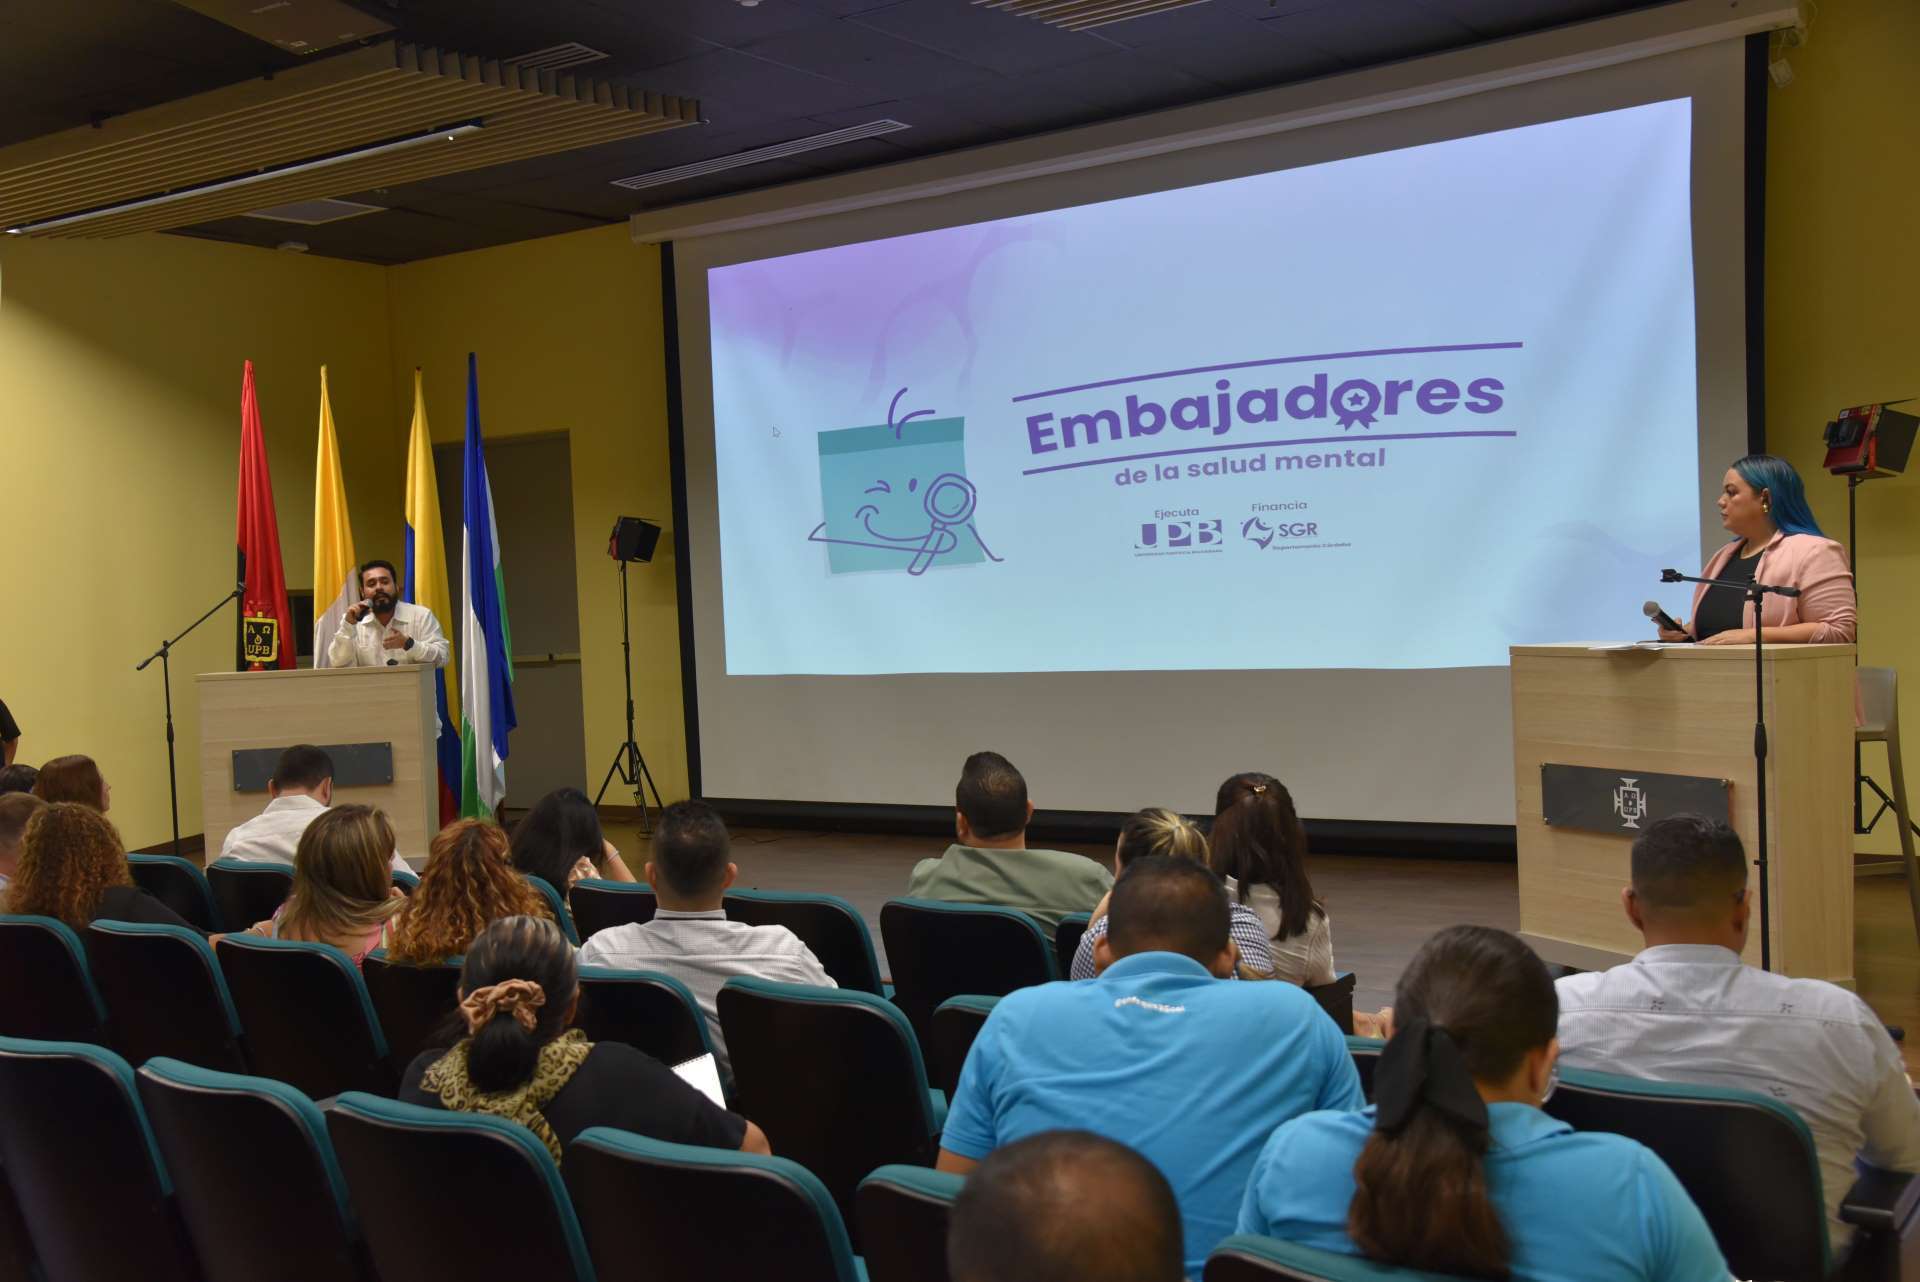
{"points": [[1156, 1053]]}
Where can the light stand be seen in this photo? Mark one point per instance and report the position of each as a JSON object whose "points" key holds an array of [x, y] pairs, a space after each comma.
{"points": [[166, 686], [628, 764], [1756, 593]]}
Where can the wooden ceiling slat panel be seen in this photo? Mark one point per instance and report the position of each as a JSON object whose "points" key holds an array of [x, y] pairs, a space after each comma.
{"points": [[1077, 15], [358, 99]]}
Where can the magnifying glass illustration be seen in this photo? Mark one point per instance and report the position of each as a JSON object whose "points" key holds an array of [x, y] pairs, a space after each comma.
{"points": [[949, 501]]}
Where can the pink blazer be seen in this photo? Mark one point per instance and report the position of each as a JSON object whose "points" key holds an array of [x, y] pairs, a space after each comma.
{"points": [[1815, 565]]}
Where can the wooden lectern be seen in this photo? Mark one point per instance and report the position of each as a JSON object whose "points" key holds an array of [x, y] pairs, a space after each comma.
{"points": [[267, 711], [1687, 711]]}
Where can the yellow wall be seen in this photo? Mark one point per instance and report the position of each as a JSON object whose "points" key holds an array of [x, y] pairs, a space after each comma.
{"points": [[119, 434], [568, 335], [1843, 303]]}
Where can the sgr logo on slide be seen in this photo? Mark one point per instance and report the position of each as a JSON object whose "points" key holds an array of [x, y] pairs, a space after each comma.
{"points": [[1181, 533], [1263, 535]]}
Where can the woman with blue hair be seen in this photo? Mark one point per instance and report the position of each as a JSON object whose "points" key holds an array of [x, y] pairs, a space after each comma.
{"points": [[1776, 541]]}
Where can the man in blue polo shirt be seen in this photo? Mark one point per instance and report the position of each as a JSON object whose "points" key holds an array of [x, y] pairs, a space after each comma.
{"points": [[1156, 1053]]}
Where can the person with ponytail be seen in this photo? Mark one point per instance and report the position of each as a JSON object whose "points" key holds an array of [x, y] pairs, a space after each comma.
{"points": [[511, 1052], [1259, 846], [1159, 831], [1455, 1169], [1775, 541]]}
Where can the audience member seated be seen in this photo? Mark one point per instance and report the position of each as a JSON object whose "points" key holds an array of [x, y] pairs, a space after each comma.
{"points": [[17, 778], [1064, 1204], [300, 790], [1260, 846], [467, 884], [73, 778], [1155, 1053], [73, 867], [990, 862], [1686, 1009], [1158, 831], [513, 1055], [690, 937], [15, 809], [560, 842], [1456, 1170], [343, 892]]}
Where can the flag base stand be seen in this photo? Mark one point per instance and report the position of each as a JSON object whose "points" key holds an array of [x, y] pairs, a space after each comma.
{"points": [[628, 764]]}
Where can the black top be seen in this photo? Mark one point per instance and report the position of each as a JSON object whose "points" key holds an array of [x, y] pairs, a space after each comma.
{"points": [[1724, 609], [9, 728], [616, 1085], [130, 903]]}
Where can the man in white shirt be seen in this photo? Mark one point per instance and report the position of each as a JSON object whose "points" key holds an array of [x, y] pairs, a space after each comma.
{"points": [[690, 937], [380, 630], [301, 788], [1686, 1009]]}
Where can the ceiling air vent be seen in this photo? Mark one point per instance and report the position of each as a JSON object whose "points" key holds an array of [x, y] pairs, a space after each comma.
{"points": [[554, 57], [1080, 15], [314, 212], [776, 151]]}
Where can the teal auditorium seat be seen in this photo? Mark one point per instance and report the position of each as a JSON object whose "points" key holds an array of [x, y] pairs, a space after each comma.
{"points": [[408, 882], [255, 1176], [556, 905], [653, 1210], [956, 1022], [455, 1195], [833, 1076], [92, 1189], [1245, 1257], [938, 950], [598, 904], [903, 1213], [831, 928], [1366, 1057], [411, 1002], [247, 892], [308, 1019], [61, 1004], [165, 994], [1066, 940], [1336, 998], [647, 1010], [179, 885]]}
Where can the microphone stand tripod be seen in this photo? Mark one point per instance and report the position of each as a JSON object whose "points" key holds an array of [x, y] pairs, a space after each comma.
{"points": [[1755, 592], [166, 685]]}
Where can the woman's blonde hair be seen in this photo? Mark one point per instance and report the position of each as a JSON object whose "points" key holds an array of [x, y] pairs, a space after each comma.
{"points": [[1159, 831], [467, 884], [69, 856], [342, 878]]}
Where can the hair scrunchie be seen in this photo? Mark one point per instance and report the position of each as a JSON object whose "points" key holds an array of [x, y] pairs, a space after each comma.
{"points": [[1422, 1064], [520, 998]]}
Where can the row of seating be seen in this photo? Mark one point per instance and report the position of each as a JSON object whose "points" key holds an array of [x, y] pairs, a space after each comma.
{"points": [[249, 1178], [232, 894]]}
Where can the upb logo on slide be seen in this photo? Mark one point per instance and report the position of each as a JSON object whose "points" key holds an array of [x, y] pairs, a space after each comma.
{"points": [[1184, 532], [896, 497]]}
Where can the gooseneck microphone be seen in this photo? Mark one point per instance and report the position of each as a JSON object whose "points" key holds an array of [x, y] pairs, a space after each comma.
{"points": [[1653, 611]]}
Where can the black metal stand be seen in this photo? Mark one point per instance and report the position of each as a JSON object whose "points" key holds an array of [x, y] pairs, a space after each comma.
{"points": [[1756, 593], [166, 686], [628, 764], [1862, 781]]}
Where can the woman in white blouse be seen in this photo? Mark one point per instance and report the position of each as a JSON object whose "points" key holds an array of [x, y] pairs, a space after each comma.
{"points": [[1260, 847]]}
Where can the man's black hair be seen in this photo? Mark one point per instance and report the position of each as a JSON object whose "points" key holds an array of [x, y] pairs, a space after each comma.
{"points": [[302, 766], [690, 848], [1688, 862], [379, 565], [992, 795], [1166, 905]]}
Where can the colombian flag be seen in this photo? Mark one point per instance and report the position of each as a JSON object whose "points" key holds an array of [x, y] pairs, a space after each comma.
{"points": [[425, 584]]}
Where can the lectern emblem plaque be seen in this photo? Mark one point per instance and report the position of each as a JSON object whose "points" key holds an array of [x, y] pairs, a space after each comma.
{"points": [[1629, 802], [260, 639]]}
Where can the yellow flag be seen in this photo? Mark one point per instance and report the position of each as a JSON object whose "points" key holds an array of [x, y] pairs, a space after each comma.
{"points": [[335, 568], [425, 584]]}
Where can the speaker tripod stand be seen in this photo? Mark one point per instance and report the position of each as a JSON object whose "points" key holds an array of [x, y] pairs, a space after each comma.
{"points": [[628, 765]]}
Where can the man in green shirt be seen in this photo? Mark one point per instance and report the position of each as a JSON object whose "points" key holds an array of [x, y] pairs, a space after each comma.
{"points": [[990, 863]]}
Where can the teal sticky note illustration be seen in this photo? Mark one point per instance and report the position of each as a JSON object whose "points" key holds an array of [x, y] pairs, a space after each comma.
{"points": [[898, 498]]}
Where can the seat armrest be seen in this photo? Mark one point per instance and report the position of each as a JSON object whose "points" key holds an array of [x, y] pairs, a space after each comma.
{"points": [[1881, 1201]]}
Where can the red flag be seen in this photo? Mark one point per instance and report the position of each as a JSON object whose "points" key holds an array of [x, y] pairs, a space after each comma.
{"points": [[258, 535]]}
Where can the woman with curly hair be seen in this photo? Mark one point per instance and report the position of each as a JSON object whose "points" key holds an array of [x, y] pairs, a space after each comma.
{"points": [[468, 882], [343, 893], [74, 869]]}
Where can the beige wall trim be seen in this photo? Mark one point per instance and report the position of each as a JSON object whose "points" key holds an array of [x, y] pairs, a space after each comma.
{"points": [[1580, 47]]}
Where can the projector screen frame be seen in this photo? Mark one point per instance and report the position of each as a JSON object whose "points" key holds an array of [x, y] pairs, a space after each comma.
{"points": [[1334, 836]]}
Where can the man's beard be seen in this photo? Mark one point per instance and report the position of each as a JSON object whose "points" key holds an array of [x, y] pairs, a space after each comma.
{"points": [[381, 603]]}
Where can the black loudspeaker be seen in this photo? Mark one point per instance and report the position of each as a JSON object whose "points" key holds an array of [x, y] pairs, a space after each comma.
{"points": [[633, 539]]}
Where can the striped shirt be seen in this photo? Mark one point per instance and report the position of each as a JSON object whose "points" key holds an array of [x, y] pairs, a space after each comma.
{"points": [[703, 950], [1256, 952]]}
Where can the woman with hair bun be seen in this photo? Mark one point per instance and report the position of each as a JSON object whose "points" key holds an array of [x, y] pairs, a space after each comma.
{"points": [[511, 1052], [1455, 1169]]}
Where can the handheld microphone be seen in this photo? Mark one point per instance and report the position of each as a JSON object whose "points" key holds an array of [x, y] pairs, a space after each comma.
{"points": [[1653, 611]]}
